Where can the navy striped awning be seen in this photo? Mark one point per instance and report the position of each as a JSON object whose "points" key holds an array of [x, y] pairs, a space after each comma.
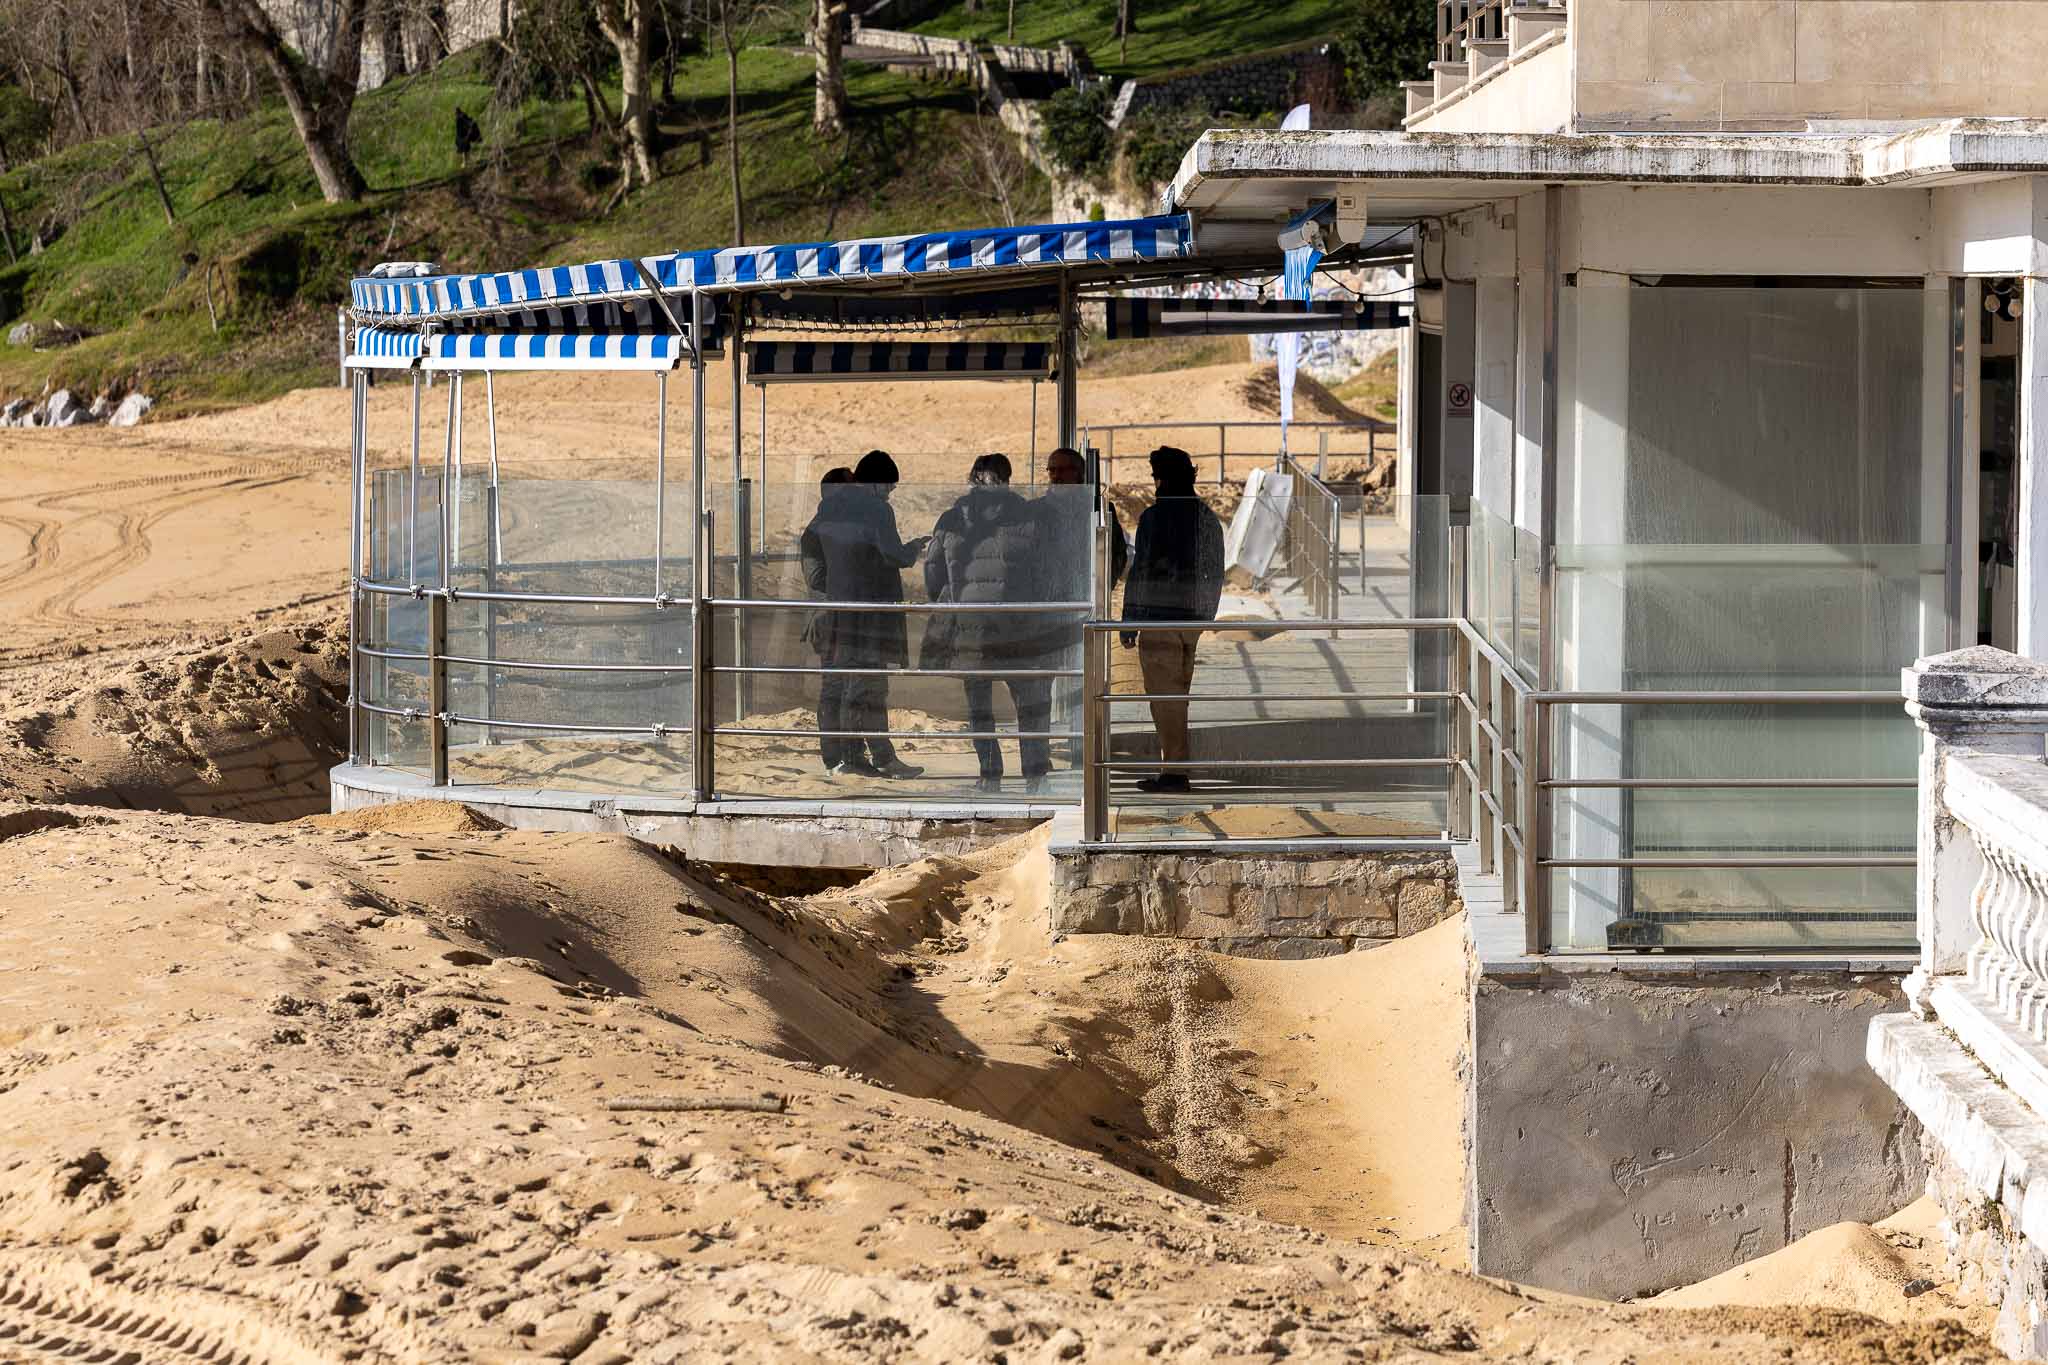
{"points": [[770, 362], [1239, 317], [870, 258], [389, 348]]}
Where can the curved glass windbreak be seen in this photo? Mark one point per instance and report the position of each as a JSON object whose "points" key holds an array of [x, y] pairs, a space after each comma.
{"points": [[564, 671]]}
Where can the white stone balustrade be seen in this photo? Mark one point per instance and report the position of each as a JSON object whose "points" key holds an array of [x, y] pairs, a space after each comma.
{"points": [[1971, 1060]]}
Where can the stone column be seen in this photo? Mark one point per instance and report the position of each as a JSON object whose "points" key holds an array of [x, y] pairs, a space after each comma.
{"points": [[1981, 699]]}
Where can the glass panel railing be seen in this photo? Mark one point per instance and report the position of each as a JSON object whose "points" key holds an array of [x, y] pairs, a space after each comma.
{"points": [[1667, 783]]}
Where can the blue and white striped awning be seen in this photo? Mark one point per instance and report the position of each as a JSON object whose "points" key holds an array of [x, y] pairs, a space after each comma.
{"points": [[772, 362], [981, 250], [381, 348], [388, 348], [1239, 317]]}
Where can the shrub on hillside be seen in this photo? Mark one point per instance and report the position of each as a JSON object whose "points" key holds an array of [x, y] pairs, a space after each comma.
{"points": [[1392, 41], [1077, 132]]}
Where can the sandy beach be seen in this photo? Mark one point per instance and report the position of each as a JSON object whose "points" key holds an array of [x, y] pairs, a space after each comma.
{"points": [[282, 1086]]}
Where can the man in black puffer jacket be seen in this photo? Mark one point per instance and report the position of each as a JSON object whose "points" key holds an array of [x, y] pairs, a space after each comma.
{"points": [[1176, 575], [853, 540], [992, 546]]}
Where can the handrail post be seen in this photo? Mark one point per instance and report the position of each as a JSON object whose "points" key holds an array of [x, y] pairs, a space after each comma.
{"points": [[358, 446], [1222, 460], [437, 687], [1094, 739], [742, 692], [1507, 714], [1458, 807], [702, 779], [1484, 762], [1536, 903]]}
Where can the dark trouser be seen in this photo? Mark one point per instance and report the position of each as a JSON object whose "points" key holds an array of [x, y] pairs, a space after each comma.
{"points": [[1167, 661], [1033, 699], [854, 701]]}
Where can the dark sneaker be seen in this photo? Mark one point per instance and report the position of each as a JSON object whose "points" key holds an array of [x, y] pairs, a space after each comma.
{"points": [[857, 767], [988, 786], [896, 767], [1164, 782]]}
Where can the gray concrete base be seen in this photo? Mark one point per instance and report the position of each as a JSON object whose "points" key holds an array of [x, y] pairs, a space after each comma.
{"points": [[777, 833], [1631, 1131]]}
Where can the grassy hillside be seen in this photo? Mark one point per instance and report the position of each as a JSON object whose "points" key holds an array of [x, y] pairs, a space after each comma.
{"points": [[252, 232], [1172, 34], [250, 219]]}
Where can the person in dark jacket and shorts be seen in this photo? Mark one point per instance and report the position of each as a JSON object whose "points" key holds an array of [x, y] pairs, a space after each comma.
{"points": [[863, 559], [1176, 575], [993, 546]]}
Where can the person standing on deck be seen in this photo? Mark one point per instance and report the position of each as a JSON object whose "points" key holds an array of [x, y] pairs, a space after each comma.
{"points": [[817, 632], [1068, 508], [1176, 575], [864, 558], [992, 546]]}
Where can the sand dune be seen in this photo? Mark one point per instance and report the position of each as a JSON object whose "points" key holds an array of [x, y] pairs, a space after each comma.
{"points": [[329, 1091]]}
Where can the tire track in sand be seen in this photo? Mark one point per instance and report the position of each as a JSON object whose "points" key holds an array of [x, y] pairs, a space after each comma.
{"points": [[75, 1317]]}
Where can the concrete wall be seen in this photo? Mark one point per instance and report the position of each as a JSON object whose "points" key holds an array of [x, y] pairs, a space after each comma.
{"points": [[1781, 65], [1635, 1130], [1275, 905]]}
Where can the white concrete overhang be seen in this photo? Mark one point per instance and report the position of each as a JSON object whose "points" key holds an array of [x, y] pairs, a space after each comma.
{"points": [[1248, 175]]}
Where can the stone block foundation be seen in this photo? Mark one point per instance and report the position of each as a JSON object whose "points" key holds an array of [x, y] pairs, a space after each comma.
{"points": [[1254, 904]]}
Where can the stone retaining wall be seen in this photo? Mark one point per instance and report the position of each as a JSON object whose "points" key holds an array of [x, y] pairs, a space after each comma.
{"points": [[1273, 82], [1273, 905]]}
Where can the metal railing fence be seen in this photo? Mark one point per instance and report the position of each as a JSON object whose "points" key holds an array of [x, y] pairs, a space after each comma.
{"points": [[1108, 454]]}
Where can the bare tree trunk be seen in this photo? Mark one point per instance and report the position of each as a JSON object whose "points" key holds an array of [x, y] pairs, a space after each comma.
{"points": [[732, 138], [203, 71], [1010, 29], [389, 34], [319, 99], [828, 114], [629, 25], [433, 45], [1126, 25]]}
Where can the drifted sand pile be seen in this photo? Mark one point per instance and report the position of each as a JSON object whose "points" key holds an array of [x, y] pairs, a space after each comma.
{"points": [[244, 726], [329, 1092]]}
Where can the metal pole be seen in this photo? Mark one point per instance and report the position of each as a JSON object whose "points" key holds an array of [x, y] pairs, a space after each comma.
{"points": [[1222, 461], [437, 688], [341, 342], [412, 514], [661, 472], [702, 779], [358, 405], [447, 478], [494, 546], [743, 554], [454, 481], [761, 471], [1065, 380], [1322, 452], [1537, 905], [1034, 433], [1458, 807]]}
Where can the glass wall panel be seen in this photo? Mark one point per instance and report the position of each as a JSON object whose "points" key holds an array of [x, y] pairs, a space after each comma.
{"points": [[1750, 499], [886, 685]]}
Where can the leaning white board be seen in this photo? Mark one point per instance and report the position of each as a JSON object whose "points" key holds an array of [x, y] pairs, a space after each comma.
{"points": [[1259, 522]]}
